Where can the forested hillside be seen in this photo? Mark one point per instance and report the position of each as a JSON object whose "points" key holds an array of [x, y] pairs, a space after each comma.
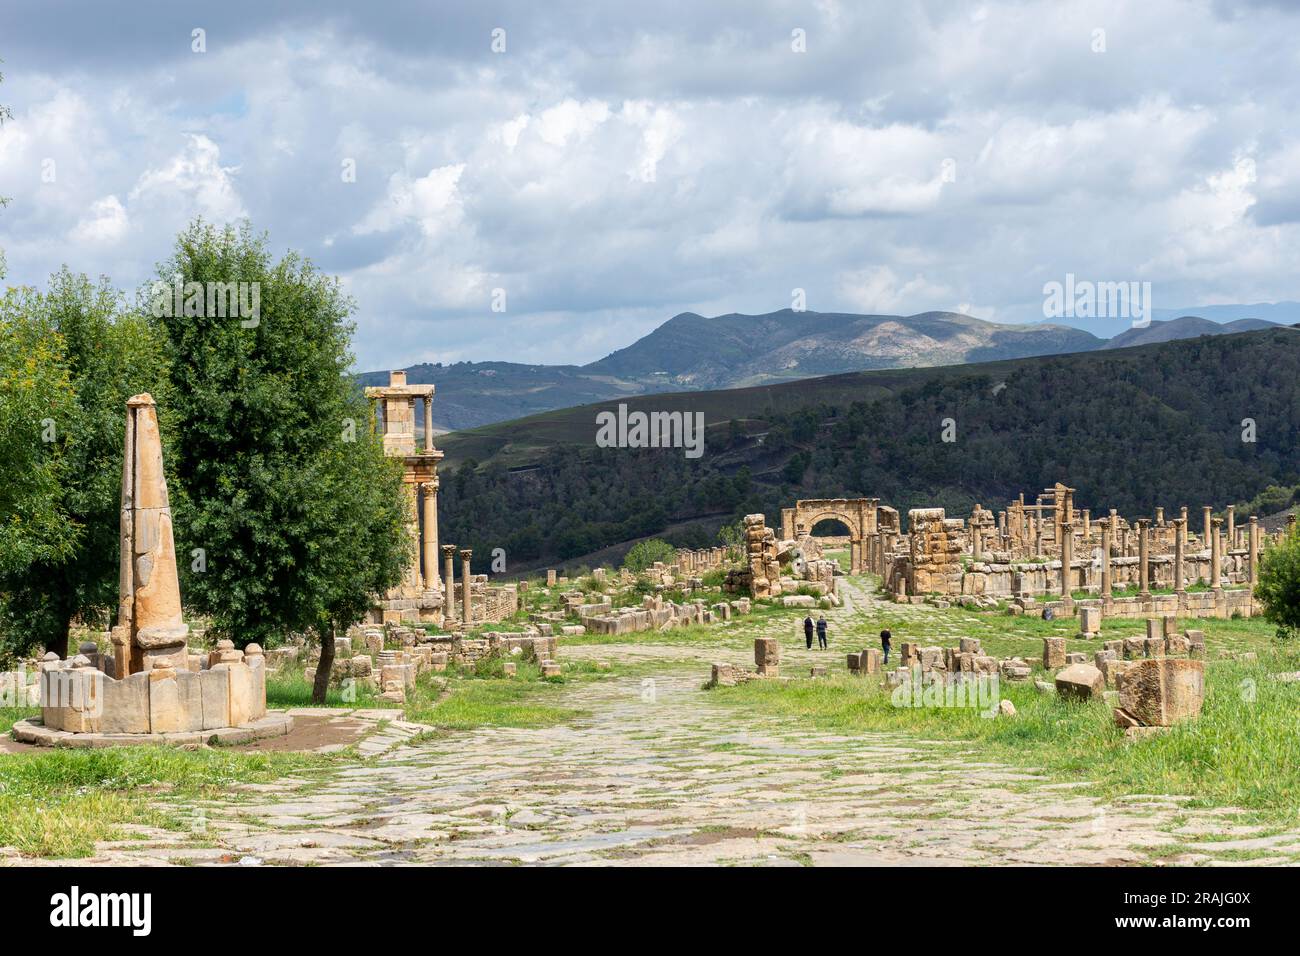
{"points": [[1130, 429]]}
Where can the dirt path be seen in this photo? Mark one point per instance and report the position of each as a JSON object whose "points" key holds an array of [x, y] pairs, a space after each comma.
{"points": [[661, 774]]}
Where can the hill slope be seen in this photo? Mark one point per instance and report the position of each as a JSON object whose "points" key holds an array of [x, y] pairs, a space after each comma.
{"points": [[1184, 327], [691, 352], [1130, 428]]}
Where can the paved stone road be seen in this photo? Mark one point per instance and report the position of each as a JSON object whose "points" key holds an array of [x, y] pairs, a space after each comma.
{"points": [[659, 774]]}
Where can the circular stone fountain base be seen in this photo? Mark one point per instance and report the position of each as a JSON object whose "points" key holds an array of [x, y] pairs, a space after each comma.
{"points": [[274, 724]]}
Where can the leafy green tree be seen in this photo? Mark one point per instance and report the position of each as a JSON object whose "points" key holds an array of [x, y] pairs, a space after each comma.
{"points": [[732, 537], [292, 513], [645, 553], [109, 354], [1279, 584], [35, 397]]}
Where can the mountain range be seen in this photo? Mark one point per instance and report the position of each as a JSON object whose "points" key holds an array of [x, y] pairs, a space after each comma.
{"points": [[691, 352]]}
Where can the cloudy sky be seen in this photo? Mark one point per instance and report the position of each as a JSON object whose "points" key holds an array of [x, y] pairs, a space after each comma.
{"points": [[609, 166]]}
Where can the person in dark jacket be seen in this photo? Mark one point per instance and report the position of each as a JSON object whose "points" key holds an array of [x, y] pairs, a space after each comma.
{"points": [[886, 643], [808, 630], [821, 631]]}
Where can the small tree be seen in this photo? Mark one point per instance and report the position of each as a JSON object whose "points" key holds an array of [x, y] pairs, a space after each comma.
{"points": [[645, 553], [110, 354], [35, 397], [732, 537], [284, 486], [1278, 588]]}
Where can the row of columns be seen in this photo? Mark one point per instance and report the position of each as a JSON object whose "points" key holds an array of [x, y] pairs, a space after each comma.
{"points": [[1180, 552], [466, 602]]}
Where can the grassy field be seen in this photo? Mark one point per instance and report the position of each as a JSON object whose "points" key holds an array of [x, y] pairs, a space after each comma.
{"points": [[57, 803], [1243, 751]]}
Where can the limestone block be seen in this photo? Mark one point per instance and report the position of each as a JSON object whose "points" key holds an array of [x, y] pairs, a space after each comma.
{"points": [[767, 651], [126, 705], [1089, 621], [189, 693], [1113, 670], [1135, 648], [855, 662], [1053, 652], [1080, 682], [1154, 646], [241, 694], [1076, 657], [1160, 691], [970, 645], [164, 701]]}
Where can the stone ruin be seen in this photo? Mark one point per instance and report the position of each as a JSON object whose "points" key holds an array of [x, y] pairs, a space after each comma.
{"points": [[1040, 555], [767, 664], [152, 688], [365, 659]]}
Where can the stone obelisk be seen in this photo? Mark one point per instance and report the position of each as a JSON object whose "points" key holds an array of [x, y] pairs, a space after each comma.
{"points": [[149, 625]]}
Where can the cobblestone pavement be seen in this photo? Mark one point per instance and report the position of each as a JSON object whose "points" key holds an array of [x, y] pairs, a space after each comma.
{"points": [[659, 774]]}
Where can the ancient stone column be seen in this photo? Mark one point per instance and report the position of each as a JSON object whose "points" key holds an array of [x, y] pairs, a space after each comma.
{"points": [[1205, 513], [430, 532], [1160, 517], [1216, 555], [855, 555], [1087, 523], [1183, 527], [1105, 561], [1253, 544], [1232, 527], [1144, 553], [1067, 558], [449, 582], [428, 424], [150, 629], [466, 602], [1180, 546]]}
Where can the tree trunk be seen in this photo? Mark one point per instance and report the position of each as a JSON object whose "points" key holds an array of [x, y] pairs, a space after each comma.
{"points": [[59, 640], [322, 683]]}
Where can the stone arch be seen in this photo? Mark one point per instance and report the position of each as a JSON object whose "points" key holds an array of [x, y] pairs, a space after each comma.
{"points": [[856, 514]]}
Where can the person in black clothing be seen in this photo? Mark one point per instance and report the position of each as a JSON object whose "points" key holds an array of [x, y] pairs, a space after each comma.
{"points": [[885, 642], [808, 630], [821, 631]]}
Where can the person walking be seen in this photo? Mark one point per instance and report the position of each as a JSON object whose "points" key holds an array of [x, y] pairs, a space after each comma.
{"points": [[808, 630], [821, 631], [886, 642]]}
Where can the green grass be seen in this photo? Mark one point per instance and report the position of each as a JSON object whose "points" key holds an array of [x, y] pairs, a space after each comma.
{"points": [[484, 696], [289, 688], [1243, 751], [10, 715], [58, 803]]}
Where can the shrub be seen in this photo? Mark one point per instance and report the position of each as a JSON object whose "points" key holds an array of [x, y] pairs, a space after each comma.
{"points": [[645, 553], [1279, 584]]}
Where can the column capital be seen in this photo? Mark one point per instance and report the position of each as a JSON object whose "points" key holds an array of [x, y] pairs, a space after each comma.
{"points": [[449, 550], [466, 553]]}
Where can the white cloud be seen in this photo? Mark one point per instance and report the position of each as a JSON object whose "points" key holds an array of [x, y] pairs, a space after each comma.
{"points": [[619, 166], [107, 222], [191, 183]]}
